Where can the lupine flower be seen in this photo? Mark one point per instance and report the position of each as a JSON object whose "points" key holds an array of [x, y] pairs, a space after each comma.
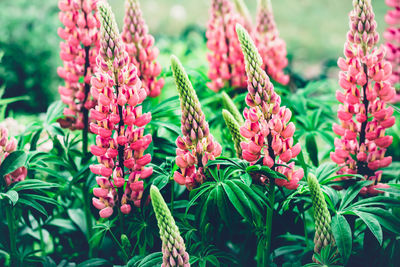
{"points": [[197, 145], [226, 66], [392, 36], [140, 47], [173, 246], [271, 47], [267, 128], [363, 113], [7, 146], [231, 107], [234, 129], [78, 53], [119, 126], [323, 232]]}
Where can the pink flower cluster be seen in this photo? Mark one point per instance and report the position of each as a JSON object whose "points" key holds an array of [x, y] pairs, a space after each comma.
{"points": [[392, 36], [271, 47], [267, 127], [140, 47], [226, 65], [119, 126], [7, 146], [363, 113], [78, 52]]}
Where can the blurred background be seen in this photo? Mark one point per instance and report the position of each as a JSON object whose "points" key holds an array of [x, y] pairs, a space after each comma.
{"points": [[315, 31]]}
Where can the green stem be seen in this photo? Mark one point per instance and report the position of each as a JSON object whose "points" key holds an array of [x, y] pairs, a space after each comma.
{"points": [[120, 246], [85, 132], [172, 197], [11, 222], [303, 213], [270, 212], [121, 222], [88, 217], [42, 245]]}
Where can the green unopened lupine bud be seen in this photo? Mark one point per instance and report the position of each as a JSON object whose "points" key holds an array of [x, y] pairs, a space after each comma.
{"points": [[193, 120], [231, 107], [110, 39], [323, 232], [126, 244], [234, 129], [173, 246]]}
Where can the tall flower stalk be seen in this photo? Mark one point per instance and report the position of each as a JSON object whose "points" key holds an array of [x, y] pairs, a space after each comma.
{"points": [[268, 132], [363, 113], [226, 66], [272, 48], [140, 47], [78, 53], [120, 141], [323, 232], [392, 37], [267, 128], [173, 246], [197, 145]]}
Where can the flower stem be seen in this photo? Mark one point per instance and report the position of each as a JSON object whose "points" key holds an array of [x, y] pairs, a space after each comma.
{"points": [[269, 223], [126, 257], [11, 222], [88, 217], [172, 197]]}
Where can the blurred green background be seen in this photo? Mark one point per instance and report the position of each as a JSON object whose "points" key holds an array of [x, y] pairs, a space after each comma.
{"points": [[315, 31]]}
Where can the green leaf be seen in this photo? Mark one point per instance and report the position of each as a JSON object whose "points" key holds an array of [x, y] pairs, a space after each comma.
{"points": [[372, 223], [385, 218], [265, 170], [342, 232], [94, 262], [11, 195], [12, 162], [312, 149], [233, 198], [351, 193]]}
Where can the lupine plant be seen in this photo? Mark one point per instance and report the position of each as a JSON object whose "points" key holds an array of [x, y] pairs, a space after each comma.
{"points": [[78, 52], [140, 164], [363, 113]]}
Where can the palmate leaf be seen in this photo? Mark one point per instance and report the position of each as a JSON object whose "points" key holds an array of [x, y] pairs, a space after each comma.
{"points": [[225, 188]]}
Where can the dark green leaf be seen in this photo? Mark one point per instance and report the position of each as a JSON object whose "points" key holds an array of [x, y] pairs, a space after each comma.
{"points": [[342, 232]]}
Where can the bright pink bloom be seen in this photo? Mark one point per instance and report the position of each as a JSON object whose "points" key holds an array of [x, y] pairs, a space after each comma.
{"points": [[140, 47], [267, 128], [226, 65], [7, 146], [392, 37], [363, 113], [78, 52], [120, 142], [272, 48]]}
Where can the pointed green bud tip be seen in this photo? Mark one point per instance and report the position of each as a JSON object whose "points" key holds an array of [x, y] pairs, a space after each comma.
{"points": [[249, 49], [231, 107], [234, 129], [181, 78]]}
